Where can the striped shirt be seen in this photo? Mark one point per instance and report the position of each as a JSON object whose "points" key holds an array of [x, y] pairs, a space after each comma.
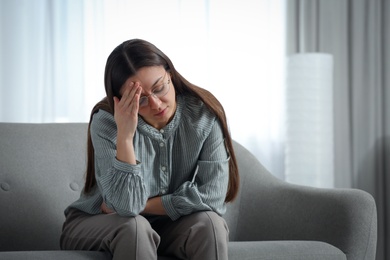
{"points": [[186, 163]]}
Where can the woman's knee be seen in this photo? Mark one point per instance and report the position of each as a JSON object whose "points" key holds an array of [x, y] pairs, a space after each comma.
{"points": [[209, 237], [134, 227], [134, 239], [211, 223]]}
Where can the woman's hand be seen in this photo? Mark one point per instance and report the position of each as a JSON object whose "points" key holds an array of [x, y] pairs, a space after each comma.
{"points": [[154, 206], [105, 209], [126, 109], [126, 119]]}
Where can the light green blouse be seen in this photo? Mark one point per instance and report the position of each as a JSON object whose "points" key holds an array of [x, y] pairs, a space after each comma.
{"points": [[186, 163]]}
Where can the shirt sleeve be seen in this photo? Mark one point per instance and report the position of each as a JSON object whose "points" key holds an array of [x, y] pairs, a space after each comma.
{"points": [[121, 185], [207, 190]]}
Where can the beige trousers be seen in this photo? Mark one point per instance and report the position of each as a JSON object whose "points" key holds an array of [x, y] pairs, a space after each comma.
{"points": [[199, 236]]}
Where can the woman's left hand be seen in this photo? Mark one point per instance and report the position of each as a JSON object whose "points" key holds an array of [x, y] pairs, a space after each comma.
{"points": [[105, 209]]}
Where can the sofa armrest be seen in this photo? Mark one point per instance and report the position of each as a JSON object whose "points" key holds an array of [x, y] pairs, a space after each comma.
{"points": [[272, 209], [268, 208]]}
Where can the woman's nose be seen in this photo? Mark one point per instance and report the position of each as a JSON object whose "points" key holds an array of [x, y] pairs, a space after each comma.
{"points": [[154, 102]]}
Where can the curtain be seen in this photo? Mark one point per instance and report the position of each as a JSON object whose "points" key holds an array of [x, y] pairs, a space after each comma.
{"points": [[38, 78], [54, 52], [357, 34]]}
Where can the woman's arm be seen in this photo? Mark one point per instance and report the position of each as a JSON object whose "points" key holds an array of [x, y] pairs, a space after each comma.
{"points": [[154, 206], [126, 119], [207, 189], [121, 184], [117, 173]]}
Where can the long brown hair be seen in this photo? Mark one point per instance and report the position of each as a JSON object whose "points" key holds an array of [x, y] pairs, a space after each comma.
{"points": [[122, 63]]}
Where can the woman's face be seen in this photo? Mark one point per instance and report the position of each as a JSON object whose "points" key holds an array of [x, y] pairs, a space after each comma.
{"points": [[158, 98]]}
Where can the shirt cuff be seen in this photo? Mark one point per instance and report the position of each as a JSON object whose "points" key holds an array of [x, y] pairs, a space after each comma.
{"points": [[169, 207], [125, 167]]}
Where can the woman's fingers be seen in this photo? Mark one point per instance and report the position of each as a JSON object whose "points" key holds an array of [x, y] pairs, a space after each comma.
{"points": [[135, 103], [105, 209], [128, 94], [130, 98], [126, 108]]}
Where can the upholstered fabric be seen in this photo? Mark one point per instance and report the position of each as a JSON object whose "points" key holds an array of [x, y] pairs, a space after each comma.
{"points": [[42, 171]]}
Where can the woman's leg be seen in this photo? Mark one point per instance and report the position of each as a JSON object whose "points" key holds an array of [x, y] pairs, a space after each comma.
{"points": [[199, 236], [124, 237]]}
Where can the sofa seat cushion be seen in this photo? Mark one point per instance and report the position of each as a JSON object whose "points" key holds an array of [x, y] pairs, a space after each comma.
{"points": [[57, 255], [289, 250], [60, 255], [259, 250]]}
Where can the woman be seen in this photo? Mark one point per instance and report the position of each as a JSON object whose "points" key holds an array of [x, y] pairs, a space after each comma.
{"points": [[161, 165]]}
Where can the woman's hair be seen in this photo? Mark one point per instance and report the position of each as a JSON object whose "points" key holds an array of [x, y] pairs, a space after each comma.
{"points": [[123, 62]]}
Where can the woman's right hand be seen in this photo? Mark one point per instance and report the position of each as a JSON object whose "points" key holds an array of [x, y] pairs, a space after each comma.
{"points": [[126, 119], [126, 109]]}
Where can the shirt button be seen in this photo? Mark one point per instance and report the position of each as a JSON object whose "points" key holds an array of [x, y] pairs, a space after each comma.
{"points": [[163, 191], [163, 168], [161, 144], [162, 131]]}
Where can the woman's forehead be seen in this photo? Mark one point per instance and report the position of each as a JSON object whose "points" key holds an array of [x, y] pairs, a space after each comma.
{"points": [[148, 75]]}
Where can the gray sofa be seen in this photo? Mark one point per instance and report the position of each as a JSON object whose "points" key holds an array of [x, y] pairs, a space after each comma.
{"points": [[42, 171]]}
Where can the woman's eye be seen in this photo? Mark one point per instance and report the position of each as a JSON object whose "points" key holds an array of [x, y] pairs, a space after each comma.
{"points": [[158, 89]]}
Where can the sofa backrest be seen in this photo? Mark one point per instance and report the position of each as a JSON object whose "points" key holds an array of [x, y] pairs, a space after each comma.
{"points": [[42, 171]]}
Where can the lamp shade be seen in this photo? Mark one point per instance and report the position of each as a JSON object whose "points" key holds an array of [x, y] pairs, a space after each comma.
{"points": [[309, 120]]}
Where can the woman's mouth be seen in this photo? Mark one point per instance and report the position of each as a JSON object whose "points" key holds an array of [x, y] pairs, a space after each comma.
{"points": [[161, 113]]}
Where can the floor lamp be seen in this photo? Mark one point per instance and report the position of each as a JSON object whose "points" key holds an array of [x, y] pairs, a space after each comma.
{"points": [[309, 120]]}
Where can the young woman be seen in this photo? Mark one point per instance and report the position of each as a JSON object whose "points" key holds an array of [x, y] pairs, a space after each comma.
{"points": [[161, 165]]}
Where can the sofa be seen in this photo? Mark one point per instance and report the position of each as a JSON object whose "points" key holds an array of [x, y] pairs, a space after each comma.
{"points": [[42, 171]]}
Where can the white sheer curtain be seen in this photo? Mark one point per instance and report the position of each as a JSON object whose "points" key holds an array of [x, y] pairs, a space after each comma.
{"points": [[41, 67], [54, 52]]}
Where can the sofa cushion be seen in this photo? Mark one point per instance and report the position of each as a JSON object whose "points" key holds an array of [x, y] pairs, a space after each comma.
{"points": [[44, 173], [258, 250], [55, 255], [278, 250], [60, 255]]}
